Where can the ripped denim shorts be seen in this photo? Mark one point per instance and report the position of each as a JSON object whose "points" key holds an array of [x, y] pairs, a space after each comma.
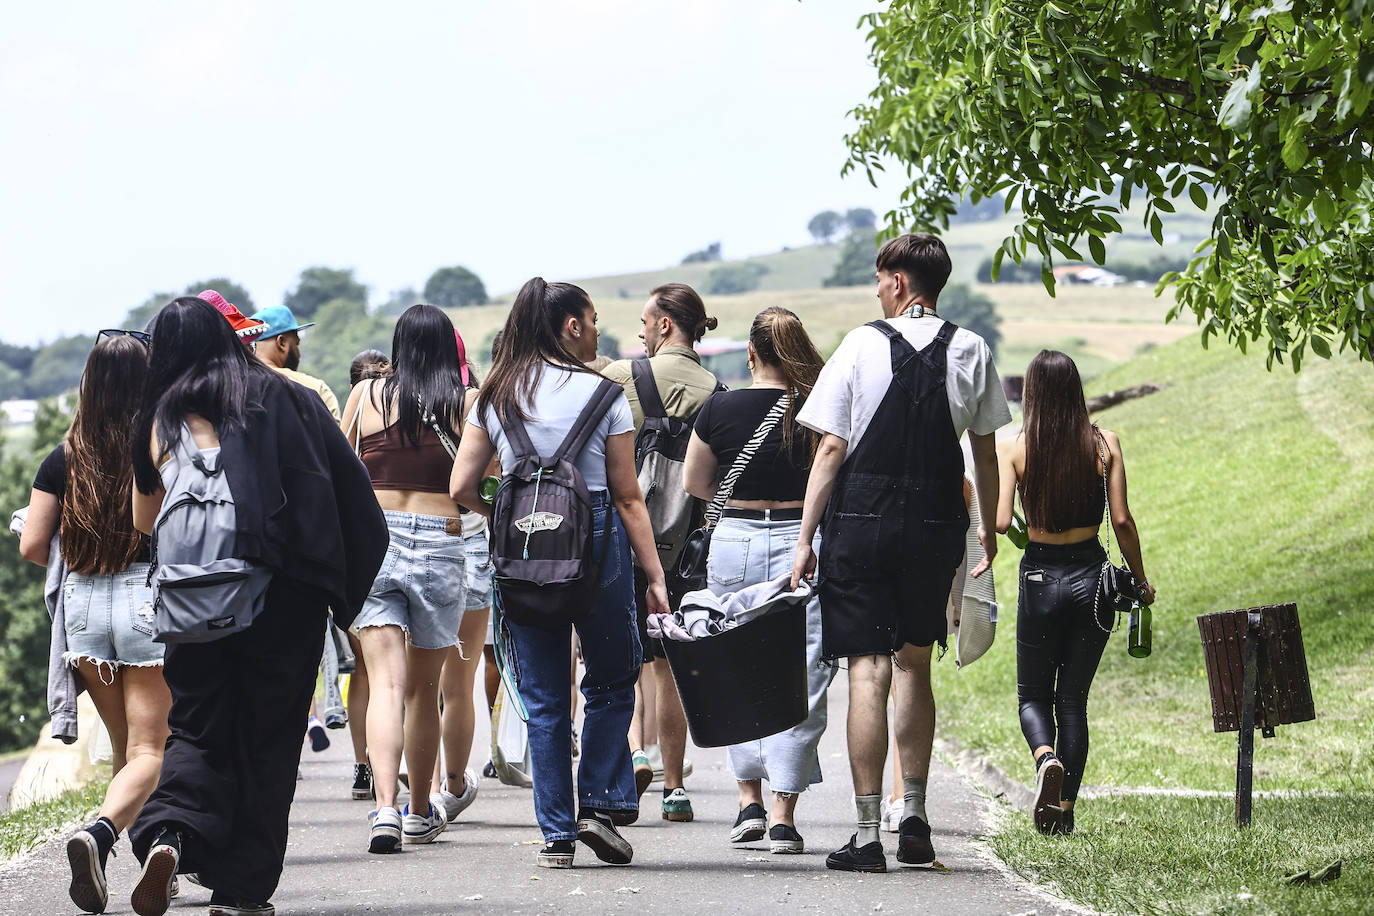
{"points": [[109, 618]]}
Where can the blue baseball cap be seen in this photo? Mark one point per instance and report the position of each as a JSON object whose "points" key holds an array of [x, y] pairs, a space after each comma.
{"points": [[279, 320]]}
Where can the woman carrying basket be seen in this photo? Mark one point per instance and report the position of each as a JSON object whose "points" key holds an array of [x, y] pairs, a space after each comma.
{"points": [[1068, 472], [748, 448]]}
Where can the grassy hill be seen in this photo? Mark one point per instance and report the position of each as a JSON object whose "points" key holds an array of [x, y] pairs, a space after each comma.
{"points": [[1249, 488]]}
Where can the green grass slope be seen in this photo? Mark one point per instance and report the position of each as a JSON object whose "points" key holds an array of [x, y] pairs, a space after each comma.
{"points": [[1249, 488]]}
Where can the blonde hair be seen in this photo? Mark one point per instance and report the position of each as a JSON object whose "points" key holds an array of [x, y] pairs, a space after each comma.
{"points": [[780, 340]]}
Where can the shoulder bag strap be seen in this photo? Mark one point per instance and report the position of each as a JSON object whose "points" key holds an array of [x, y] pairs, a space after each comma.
{"points": [[354, 432], [585, 424], [650, 403], [433, 422], [746, 454]]}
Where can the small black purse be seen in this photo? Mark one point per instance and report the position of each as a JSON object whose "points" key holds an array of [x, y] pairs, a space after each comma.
{"points": [[1117, 587], [691, 562]]}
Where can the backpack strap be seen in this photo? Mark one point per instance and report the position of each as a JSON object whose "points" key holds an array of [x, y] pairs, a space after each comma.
{"points": [[650, 403], [519, 439], [585, 424]]}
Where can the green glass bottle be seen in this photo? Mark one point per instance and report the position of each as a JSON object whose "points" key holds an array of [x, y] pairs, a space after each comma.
{"points": [[1017, 533], [1139, 639], [487, 489]]}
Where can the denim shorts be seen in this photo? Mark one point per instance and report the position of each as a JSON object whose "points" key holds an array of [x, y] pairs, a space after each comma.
{"points": [[422, 584], [479, 570], [109, 618]]}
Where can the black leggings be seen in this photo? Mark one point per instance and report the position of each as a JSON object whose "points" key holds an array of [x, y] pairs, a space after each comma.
{"points": [[1058, 646]]}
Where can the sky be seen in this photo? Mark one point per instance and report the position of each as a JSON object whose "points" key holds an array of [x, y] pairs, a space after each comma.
{"points": [[146, 145]]}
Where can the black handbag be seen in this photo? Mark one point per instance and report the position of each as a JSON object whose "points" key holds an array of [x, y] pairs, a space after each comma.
{"points": [[1117, 587], [691, 563]]}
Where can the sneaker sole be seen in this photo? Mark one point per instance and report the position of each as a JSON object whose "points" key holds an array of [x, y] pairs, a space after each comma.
{"points": [[849, 866], [318, 742], [152, 895], [361, 794], [680, 817], [217, 909], [89, 890], [643, 777], [751, 830], [384, 840], [609, 847], [552, 861], [786, 847], [1049, 782]]}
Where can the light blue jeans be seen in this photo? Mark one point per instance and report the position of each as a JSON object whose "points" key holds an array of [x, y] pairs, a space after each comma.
{"points": [[746, 552]]}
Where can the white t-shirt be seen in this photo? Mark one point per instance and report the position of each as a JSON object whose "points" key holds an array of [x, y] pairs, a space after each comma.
{"points": [[855, 381], [558, 399]]}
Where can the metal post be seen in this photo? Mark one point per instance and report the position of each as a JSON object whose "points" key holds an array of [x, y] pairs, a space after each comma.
{"points": [[1245, 758]]}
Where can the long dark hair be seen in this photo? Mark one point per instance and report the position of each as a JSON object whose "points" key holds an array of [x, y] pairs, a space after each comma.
{"points": [[97, 532], [196, 364], [424, 370], [682, 304], [533, 336], [1061, 476], [781, 341]]}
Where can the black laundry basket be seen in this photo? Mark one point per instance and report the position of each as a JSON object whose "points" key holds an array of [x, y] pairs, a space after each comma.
{"points": [[746, 683]]}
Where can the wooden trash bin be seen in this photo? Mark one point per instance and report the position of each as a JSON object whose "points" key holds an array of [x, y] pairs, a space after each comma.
{"points": [[1257, 672]]}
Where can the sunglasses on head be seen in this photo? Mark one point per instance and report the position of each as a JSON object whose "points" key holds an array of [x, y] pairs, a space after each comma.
{"points": [[141, 336]]}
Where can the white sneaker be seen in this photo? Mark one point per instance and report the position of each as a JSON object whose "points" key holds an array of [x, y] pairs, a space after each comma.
{"points": [[454, 805], [385, 834], [423, 828], [891, 817]]}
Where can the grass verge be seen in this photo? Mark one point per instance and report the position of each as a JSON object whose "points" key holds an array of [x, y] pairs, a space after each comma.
{"points": [[1167, 855], [28, 827]]}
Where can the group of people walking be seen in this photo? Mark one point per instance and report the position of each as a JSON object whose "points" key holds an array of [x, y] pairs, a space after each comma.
{"points": [[846, 473]]}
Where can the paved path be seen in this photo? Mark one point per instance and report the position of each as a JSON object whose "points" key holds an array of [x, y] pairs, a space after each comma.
{"points": [[486, 861]]}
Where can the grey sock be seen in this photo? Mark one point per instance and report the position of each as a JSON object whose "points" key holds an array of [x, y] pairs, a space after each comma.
{"points": [[914, 798], [869, 808]]}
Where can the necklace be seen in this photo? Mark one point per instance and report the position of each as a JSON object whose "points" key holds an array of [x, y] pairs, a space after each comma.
{"points": [[917, 310]]}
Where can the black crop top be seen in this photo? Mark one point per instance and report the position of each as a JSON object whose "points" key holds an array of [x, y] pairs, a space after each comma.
{"points": [[729, 419]]}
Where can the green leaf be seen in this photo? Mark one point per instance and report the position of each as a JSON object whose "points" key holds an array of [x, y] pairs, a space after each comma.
{"points": [[1235, 107], [1157, 228], [1047, 278], [1320, 346], [1295, 151], [997, 257], [1325, 209], [1098, 249], [1267, 250], [1198, 195]]}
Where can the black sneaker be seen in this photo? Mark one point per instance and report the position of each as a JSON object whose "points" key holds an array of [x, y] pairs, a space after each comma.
{"points": [[362, 782], [751, 824], [489, 770], [866, 858], [558, 854], [88, 889], [783, 839], [1049, 779], [223, 905], [913, 842], [596, 830]]}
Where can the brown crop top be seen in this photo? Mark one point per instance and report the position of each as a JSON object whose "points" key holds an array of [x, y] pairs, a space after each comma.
{"points": [[394, 464]]}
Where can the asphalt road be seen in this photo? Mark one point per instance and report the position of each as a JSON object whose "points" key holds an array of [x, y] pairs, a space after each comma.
{"points": [[486, 861]]}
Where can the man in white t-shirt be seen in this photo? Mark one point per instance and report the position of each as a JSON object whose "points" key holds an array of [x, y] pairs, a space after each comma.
{"points": [[886, 490]]}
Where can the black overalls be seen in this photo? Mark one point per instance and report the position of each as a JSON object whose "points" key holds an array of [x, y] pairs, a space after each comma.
{"points": [[893, 532]]}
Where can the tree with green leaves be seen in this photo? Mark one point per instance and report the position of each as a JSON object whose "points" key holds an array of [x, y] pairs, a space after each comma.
{"points": [[454, 287], [855, 267], [1075, 108], [343, 329], [138, 317], [740, 277], [58, 366], [824, 225], [318, 285], [971, 310], [859, 218]]}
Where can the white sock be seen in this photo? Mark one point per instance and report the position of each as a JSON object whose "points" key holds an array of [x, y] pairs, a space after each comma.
{"points": [[869, 808], [914, 798]]}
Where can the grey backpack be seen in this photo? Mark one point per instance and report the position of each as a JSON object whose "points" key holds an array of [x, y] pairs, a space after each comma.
{"points": [[204, 591], [660, 456]]}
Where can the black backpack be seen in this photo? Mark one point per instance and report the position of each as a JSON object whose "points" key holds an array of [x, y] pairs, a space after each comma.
{"points": [[660, 453], [541, 532]]}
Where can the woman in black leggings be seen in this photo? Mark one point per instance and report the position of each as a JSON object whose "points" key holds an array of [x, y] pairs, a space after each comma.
{"points": [[1059, 463]]}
